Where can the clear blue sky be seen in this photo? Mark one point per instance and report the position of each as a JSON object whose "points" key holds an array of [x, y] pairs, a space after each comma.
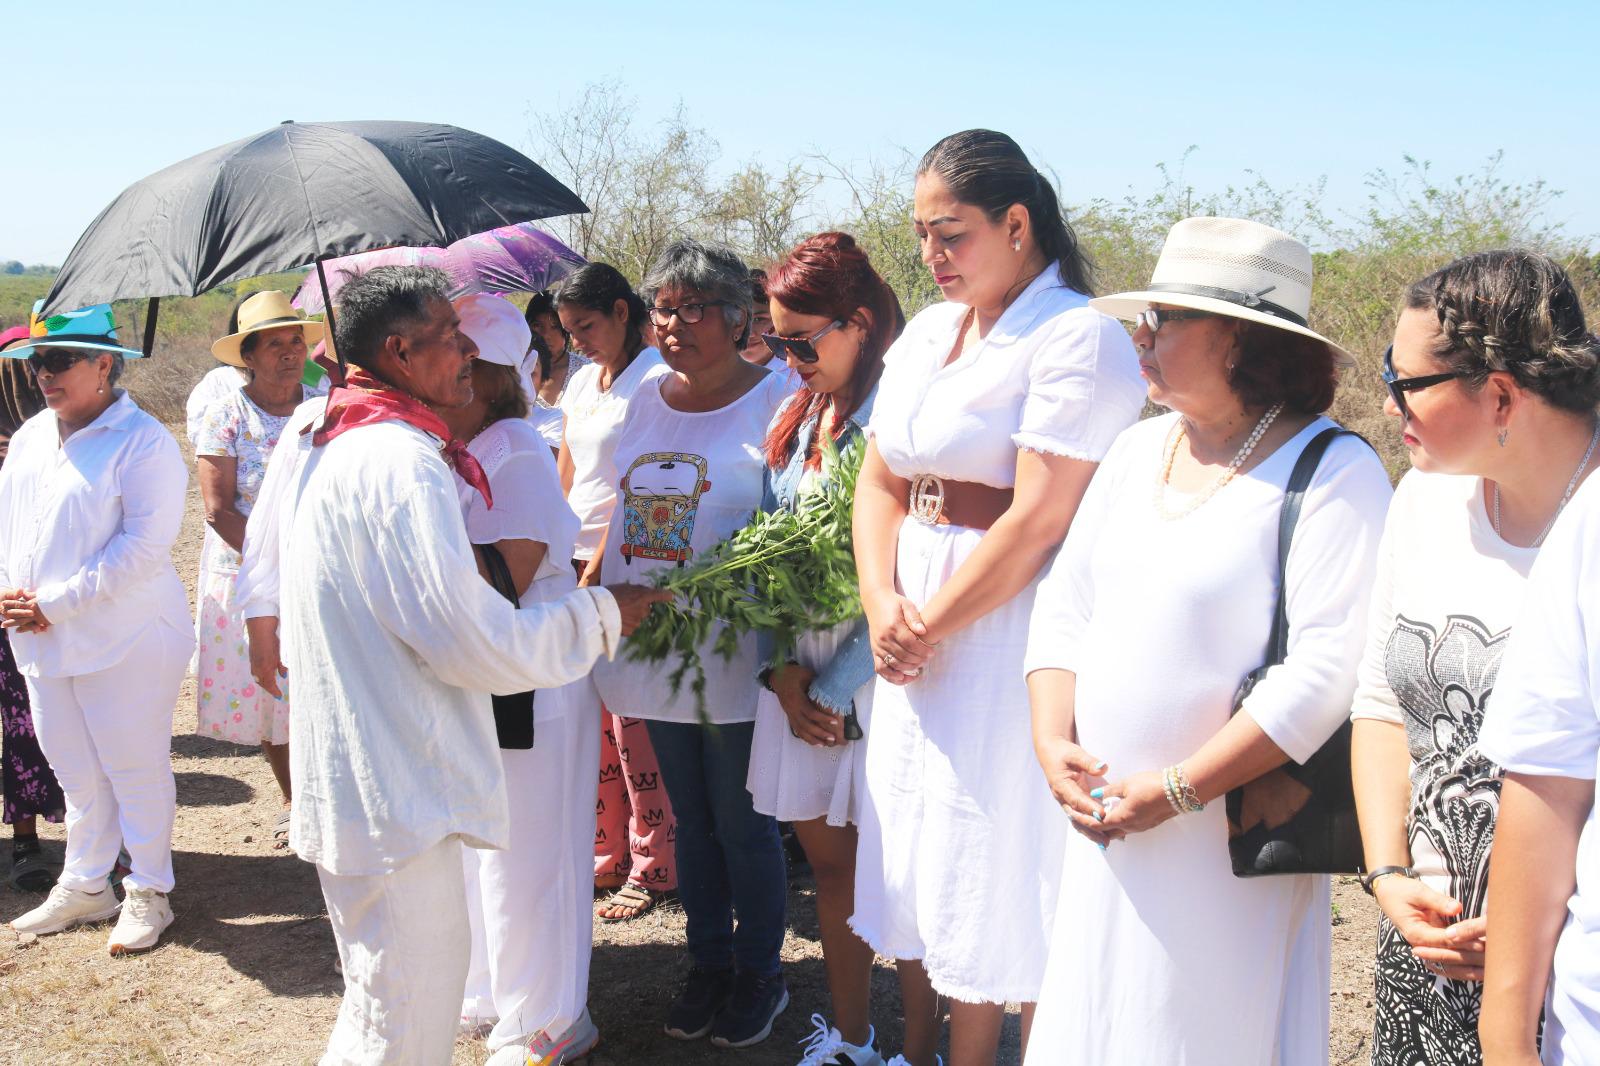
{"points": [[100, 94]]}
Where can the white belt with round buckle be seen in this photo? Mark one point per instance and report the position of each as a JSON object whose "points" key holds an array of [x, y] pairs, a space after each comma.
{"points": [[926, 501]]}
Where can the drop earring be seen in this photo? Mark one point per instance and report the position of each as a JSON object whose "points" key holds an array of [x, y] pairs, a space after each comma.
{"points": [[1504, 433], [1016, 246]]}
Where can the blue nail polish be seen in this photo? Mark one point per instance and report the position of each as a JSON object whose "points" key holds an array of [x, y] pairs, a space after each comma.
{"points": [[1102, 847], [1097, 793], [1099, 817]]}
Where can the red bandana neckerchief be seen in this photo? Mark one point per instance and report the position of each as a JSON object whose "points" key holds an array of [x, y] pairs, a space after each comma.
{"points": [[363, 400]]}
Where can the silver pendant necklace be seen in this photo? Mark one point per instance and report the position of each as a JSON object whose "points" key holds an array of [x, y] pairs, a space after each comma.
{"points": [[1572, 485]]}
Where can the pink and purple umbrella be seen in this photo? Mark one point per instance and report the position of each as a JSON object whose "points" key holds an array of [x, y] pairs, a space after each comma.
{"points": [[520, 258]]}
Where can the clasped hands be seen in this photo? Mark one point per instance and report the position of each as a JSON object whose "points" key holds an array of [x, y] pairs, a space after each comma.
{"points": [[1101, 809], [901, 644], [808, 720], [1427, 919], [20, 612]]}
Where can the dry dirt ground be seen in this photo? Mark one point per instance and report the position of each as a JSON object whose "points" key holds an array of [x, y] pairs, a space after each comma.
{"points": [[246, 973]]}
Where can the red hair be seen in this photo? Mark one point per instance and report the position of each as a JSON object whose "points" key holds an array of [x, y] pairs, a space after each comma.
{"points": [[829, 276]]}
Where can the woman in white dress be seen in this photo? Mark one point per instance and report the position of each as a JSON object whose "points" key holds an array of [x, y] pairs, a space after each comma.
{"points": [[529, 904], [1498, 414], [994, 408], [235, 439], [831, 319], [548, 367], [634, 827], [1157, 607]]}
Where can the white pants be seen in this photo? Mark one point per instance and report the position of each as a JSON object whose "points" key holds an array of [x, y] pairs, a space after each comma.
{"points": [[531, 906], [108, 736], [402, 939]]}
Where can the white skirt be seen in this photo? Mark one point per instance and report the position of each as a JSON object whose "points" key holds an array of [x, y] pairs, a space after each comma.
{"points": [[961, 841], [793, 781]]}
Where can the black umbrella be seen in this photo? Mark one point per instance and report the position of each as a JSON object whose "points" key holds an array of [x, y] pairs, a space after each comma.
{"points": [[297, 194]]}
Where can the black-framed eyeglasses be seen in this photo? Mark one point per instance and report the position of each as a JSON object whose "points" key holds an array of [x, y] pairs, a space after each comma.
{"points": [[1399, 386], [1152, 317], [802, 348], [56, 360], [688, 314]]}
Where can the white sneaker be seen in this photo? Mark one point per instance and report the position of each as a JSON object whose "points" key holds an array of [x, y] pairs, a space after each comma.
{"points": [[145, 916], [544, 1049], [827, 1047], [66, 908], [901, 1060]]}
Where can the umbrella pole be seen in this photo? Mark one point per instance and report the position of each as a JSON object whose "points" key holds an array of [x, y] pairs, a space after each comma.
{"points": [[150, 313], [327, 313]]}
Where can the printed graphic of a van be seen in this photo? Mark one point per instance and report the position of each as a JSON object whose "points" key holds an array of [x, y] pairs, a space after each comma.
{"points": [[660, 498]]}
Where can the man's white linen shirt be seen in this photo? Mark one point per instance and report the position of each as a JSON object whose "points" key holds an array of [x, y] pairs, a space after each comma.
{"points": [[393, 643], [88, 525]]}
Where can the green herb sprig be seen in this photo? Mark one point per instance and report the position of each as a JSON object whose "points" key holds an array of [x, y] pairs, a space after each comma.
{"points": [[786, 573]]}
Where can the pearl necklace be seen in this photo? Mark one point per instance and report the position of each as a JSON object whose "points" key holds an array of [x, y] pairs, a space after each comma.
{"points": [[1572, 486], [1227, 475]]}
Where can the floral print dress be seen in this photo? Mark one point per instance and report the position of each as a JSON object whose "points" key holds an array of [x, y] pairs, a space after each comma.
{"points": [[231, 705]]}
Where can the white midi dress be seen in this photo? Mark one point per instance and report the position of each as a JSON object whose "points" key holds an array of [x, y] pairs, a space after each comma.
{"points": [[1159, 954], [960, 841]]}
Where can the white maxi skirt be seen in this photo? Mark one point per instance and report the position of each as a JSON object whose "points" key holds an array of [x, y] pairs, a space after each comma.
{"points": [[961, 840]]}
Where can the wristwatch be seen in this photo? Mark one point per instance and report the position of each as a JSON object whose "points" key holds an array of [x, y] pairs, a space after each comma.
{"points": [[1384, 871]]}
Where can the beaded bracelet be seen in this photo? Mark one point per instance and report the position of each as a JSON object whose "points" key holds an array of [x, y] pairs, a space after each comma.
{"points": [[1180, 793]]}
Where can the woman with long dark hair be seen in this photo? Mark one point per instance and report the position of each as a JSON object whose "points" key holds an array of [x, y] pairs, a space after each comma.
{"points": [[994, 410], [832, 318]]}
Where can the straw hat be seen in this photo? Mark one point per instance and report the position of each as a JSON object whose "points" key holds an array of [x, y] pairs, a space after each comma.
{"points": [[1232, 267], [267, 309], [91, 327]]}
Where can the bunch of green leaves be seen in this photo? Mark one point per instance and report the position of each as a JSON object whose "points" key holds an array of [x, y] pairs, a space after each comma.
{"points": [[784, 574]]}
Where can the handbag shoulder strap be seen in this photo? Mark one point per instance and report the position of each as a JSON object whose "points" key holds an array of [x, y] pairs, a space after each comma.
{"points": [[499, 573], [1294, 494]]}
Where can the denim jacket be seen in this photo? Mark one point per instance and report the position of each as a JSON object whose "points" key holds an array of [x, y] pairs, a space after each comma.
{"points": [[851, 666]]}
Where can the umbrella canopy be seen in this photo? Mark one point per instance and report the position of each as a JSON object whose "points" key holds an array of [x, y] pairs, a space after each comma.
{"points": [[520, 258], [298, 193]]}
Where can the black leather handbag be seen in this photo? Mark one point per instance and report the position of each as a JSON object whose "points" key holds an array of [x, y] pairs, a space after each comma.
{"points": [[513, 715], [1301, 817]]}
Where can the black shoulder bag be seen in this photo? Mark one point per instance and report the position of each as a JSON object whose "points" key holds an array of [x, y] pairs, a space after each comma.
{"points": [[1299, 818], [513, 715]]}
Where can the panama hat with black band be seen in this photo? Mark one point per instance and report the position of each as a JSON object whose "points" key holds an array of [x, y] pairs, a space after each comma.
{"points": [[1231, 267], [267, 309]]}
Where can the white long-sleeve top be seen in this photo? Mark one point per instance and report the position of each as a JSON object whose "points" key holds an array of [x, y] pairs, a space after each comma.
{"points": [[393, 643], [256, 591], [88, 525]]}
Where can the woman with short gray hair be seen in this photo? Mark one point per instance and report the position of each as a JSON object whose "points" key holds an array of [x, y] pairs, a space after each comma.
{"points": [[690, 460]]}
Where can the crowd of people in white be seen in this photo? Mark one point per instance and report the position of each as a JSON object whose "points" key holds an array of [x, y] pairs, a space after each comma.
{"points": [[1008, 774]]}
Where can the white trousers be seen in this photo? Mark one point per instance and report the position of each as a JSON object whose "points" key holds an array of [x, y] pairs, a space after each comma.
{"points": [[108, 736], [402, 939], [532, 906]]}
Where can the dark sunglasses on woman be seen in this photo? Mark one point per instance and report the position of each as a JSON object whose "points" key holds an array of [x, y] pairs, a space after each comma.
{"points": [[803, 349], [1399, 386], [56, 360]]}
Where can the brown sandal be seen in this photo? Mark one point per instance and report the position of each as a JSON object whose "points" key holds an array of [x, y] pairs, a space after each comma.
{"points": [[635, 900]]}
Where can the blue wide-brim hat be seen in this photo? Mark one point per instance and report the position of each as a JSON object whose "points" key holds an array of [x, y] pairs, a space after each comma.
{"points": [[87, 327]]}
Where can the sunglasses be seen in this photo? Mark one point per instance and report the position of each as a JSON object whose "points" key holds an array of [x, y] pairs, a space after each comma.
{"points": [[1152, 317], [688, 314], [56, 360], [803, 349], [1399, 386]]}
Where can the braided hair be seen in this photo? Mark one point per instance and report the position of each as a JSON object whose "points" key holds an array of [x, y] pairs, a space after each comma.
{"points": [[1518, 313]]}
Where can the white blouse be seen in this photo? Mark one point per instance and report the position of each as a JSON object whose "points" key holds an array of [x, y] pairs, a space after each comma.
{"points": [[527, 506], [393, 643], [89, 526], [688, 481], [1544, 720], [593, 420], [1053, 375]]}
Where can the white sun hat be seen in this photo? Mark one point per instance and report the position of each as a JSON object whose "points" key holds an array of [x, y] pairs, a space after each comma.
{"points": [[498, 329], [1232, 267]]}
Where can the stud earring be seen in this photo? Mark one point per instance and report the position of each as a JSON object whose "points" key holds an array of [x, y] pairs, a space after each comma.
{"points": [[1504, 433]]}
